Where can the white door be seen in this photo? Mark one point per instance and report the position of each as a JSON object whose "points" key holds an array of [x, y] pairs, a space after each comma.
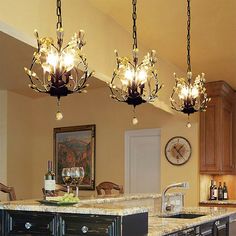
{"points": [[142, 161]]}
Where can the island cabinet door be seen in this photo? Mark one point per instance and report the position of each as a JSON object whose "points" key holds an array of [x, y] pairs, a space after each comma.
{"points": [[29, 223], [91, 225], [135, 225], [1, 222], [221, 227]]}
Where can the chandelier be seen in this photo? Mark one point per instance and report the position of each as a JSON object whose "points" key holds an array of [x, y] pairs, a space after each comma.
{"points": [[135, 82], [189, 96], [63, 70]]}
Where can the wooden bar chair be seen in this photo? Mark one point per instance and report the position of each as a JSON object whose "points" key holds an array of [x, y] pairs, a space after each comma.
{"points": [[107, 187], [9, 190]]}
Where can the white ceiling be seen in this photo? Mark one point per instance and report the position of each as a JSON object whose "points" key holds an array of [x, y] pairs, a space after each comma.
{"points": [[162, 26]]}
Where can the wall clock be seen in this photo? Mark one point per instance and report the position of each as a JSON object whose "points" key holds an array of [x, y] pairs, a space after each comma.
{"points": [[178, 150]]}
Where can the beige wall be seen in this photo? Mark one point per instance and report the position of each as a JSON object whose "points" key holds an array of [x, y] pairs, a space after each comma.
{"points": [[30, 123], [19, 144], [3, 139], [30, 139]]}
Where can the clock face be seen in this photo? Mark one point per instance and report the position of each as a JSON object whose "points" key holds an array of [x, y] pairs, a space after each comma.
{"points": [[178, 150]]}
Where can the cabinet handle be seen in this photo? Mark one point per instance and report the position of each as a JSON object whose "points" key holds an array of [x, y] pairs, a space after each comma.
{"points": [[84, 229], [28, 225], [187, 231], [217, 223]]}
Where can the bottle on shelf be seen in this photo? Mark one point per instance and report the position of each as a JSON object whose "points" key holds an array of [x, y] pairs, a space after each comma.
{"points": [[49, 181], [212, 197], [225, 192], [215, 191], [220, 192]]}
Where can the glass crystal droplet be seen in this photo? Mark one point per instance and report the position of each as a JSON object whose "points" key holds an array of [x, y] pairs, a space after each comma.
{"points": [[188, 125], [59, 115], [135, 120]]}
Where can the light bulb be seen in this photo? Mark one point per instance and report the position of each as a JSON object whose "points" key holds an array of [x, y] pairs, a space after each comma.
{"points": [[59, 115], [135, 120], [184, 92], [129, 74], [194, 92], [52, 59], [142, 76], [68, 59]]}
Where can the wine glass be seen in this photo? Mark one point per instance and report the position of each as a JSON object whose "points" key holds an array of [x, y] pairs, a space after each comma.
{"points": [[77, 175], [66, 176]]}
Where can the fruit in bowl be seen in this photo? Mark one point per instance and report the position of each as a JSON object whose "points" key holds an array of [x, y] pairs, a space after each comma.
{"points": [[66, 198]]}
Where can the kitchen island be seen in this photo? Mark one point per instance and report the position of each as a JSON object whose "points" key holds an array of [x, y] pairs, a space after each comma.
{"points": [[126, 215]]}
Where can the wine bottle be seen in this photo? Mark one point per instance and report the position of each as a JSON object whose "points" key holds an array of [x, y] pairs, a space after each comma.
{"points": [[220, 192], [212, 197], [225, 192], [215, 191], [49, 181]]}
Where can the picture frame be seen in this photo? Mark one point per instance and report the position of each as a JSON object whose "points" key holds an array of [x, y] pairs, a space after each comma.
{"points": [[75, 146]]}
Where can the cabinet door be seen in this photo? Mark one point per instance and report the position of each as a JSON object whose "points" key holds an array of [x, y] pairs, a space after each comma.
{"points": [[210, 129], [1, 222], [91, 225], [29, 223], [221, 227], [207, 229], [227, 137]]}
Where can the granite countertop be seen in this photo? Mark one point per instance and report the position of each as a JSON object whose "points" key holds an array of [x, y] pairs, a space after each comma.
{"points": [[162, 226], [224, 202], [80, 208], [104, 205]]}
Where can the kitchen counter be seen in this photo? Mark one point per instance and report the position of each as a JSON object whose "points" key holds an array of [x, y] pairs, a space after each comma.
{"points": [[125, 205], [162, 226], [80, 208]]}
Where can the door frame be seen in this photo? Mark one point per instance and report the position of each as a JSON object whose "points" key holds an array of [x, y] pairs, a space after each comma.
{"points": [[136, 133]]}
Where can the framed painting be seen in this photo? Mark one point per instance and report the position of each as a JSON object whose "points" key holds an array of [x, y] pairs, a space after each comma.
{"points": [[74, 147]]}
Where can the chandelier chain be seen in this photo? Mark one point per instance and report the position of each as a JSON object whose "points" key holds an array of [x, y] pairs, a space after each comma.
{"points": [[134, 16], [188, 36], [59, 17]]}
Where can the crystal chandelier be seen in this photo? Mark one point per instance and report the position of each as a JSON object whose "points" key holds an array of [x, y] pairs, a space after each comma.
{"points": [[135, 82], [64, 70], [189, 96]]}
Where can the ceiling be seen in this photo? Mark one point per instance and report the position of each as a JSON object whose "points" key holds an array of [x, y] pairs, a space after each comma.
{"points": [[162, 26]]}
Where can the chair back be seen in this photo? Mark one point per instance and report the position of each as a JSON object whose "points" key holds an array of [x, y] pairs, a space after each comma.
{"points": [[107, 187], [9, 190]]}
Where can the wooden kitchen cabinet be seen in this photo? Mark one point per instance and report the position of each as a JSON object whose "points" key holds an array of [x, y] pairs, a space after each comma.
{"points": [[216, 130], [27, 223]]}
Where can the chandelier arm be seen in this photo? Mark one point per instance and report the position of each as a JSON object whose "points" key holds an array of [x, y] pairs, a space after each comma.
{"points": [[188, 36], [149, 89], [31, 77], [115, 97]]}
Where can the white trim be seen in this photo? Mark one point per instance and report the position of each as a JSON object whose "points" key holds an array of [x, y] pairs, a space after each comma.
{"points": [[128, 135], [7, 29]]}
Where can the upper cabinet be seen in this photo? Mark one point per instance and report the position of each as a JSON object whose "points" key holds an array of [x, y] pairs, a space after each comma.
{"points": [[216, 130]]}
